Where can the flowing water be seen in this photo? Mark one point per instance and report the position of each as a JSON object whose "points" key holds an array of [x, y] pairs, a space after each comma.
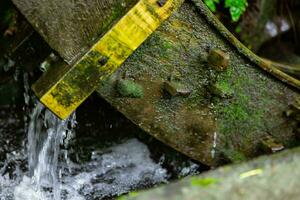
{"points": [[44, 170], [45, 134], [40, 166]]}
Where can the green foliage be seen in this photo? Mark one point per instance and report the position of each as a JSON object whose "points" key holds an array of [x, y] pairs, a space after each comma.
{"points": [[212, 4], [236, 7], [203, 182]]}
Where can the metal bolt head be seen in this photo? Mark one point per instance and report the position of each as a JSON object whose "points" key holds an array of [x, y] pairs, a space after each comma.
{"points": [[218, 59], [293, 111], [103, 60], [176, 89], [161, 3], [270, 145]]}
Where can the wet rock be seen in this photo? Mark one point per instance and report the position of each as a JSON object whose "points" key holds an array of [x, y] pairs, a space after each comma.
{"points": [[10, 93], [218, 59], [176, 89], [274, 177]]}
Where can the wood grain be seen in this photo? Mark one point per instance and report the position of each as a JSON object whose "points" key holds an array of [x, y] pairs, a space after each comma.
{"points": [[71, 26]]}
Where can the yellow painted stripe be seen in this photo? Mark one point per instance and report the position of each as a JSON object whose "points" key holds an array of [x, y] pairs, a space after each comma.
{"points": [[250, 173], [117, 45]]}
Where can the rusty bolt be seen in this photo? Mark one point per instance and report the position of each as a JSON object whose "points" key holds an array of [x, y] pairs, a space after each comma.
{"points": [[218, 59], [270, 145], [176, 89], [103, 60]]}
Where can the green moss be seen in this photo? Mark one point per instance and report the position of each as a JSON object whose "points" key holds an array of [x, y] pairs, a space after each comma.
{"points": [[222, 89], [128, 88], [129, 196], [238, 112], [117, 12], [203, 182], [167, 45], [233, 155], [224, 86]]}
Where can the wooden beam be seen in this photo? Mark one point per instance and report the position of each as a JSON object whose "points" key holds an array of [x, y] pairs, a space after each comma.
{"points": [[72, 27], [68, 89]]}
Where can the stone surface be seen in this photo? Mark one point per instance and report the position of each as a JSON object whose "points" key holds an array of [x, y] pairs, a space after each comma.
{"points": [[275, 177]]}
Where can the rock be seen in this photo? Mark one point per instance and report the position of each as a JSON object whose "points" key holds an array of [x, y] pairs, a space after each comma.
{"points": [[274, 177]]}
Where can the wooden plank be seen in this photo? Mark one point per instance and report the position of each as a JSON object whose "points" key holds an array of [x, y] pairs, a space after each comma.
{"points": [[68, 89], [71, 27], [227, 114], [209, 127]]}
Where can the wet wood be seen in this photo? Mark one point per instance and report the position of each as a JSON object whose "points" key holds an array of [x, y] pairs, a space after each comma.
{"points": [[71, 27], [207, 127], [68, 89]]}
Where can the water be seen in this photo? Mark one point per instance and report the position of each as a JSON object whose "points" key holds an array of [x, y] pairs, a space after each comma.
{"points": [[39, 167], [45, 135], [44, 170], [214, 146], [114, 171], [111, 172]]}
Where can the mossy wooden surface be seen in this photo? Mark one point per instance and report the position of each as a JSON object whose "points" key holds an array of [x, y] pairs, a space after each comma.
{"points": [[275, 177], [71, 27], [204, 125], [63, 93], [208, 127]]}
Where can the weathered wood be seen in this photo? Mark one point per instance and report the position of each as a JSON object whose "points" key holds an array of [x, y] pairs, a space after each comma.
{"points": [[207, 127], [71, 27], [211, 128], [65, 92]]}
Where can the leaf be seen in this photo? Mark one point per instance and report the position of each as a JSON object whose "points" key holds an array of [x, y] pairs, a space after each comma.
{"points": [[236, 8], [211, 4]]}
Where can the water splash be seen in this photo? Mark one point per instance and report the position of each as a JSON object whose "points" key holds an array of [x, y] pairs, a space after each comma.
{"points": [[45, 134], [214, 146], [51, 174], [114, 171]]}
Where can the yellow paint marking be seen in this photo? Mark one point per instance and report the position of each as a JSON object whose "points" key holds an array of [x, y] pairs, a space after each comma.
{"points": [[250, 173], [73, 87]]}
